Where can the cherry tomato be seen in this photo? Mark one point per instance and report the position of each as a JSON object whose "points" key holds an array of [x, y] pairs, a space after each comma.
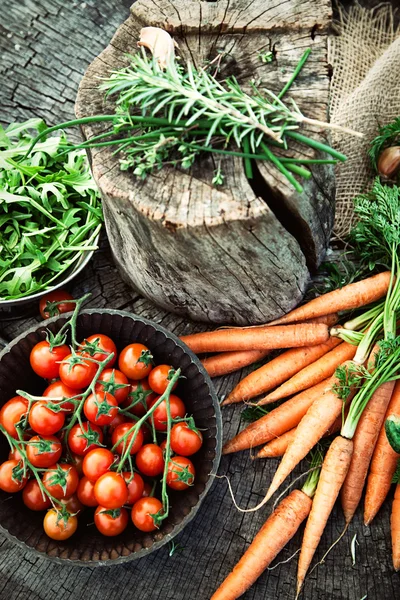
{"points": [[119, 432], [185, 439], [85, 492], [33, 497], [111, 522], [78, 375], [72, 504], [83, 439], [15, 455], [117, 420], [77, 461], [11, 476], [140, 396], [150, 460], [110, 490], [115, 383], [11, 413], [100, 409], [94, 344], [43, 420], [46, 362], [58, 390], [135, 361], [143, 512], [135, 486], [97, 462], [181, 473], [43, 451], [158, 378], [148, 488], [58, 528], [61, 480], [56, 296], [177, 409]]}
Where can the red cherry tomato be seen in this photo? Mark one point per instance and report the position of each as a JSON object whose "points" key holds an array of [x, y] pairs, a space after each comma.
{"points": [[100, 409], [43, 451], [118, 434], [111, 522], [143, 512], [94, 344], [177, 409], [77, 376], [11, 413], [85, 492], [158, 378], [135, 361], [185, 439], [135, 486], [117, 420], [33, 497], [83, 439], [77, 461], [115, 383], [58, 390], [97, 462], [181, 473], [150, 460], [55, 296], [148, 488], [15, 455], [45, 421], [59, 528], [72, 504], [140, 398], [11, 476], [110, 490], [46, 362], [61, 480]]}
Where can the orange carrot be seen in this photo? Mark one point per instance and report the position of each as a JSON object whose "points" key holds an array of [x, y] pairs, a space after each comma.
{"points": [[333, 473], [228, 362], [364, 440], [312, 374], [383, 465], [395, 528], [281, 419], [353, 295], [320, 416], [277, 371], [279, 528], [261, 338], [329, 320], [278, 446]]}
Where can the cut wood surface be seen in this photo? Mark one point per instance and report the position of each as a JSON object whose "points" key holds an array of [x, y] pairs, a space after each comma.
{"points": [[46, 46], [236, 253]]}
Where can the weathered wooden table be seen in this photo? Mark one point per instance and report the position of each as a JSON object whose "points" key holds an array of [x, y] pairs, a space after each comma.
{"points": [[45, 47]]}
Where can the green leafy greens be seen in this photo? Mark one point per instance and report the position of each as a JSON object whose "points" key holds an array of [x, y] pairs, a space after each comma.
{"points": [[50, 212]]}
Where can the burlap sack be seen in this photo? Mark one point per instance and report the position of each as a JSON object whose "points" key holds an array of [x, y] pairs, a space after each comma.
{"points": [[365, 93]]}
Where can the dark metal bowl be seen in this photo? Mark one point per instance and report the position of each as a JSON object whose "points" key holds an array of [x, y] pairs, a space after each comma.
{"points": [[87, 546]]}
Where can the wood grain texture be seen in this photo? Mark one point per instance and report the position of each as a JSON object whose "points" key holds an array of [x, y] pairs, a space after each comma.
{"points": [[57, 41], [236, 253]]}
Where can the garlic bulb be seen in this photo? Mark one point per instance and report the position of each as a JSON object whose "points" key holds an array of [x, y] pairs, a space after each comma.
{"points": [[160, 44]]}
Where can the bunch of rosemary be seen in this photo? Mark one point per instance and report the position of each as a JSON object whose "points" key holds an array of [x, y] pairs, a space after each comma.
{"points": [[171, 115]]}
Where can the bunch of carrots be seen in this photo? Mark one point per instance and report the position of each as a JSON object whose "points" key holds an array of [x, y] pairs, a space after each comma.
{"points": [[329, 379]]}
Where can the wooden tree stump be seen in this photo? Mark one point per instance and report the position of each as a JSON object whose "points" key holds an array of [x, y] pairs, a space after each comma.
{"points": [[240, 253]]}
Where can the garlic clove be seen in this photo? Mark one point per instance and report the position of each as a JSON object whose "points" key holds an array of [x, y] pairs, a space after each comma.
{"points": [[160, 44], [389, 162]]}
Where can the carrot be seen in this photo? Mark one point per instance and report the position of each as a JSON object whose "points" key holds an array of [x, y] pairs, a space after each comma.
{"points": [[383, 465], [228, 362], [261, 338], [312, 374], [395, 528], [281, 419], [353, 295], [333, 473], [320, 416], [278, 370], [279, 446], [273, 536], [364, 440]]}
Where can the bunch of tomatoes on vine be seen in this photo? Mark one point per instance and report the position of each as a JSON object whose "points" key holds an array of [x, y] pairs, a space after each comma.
{"points": [[107, 433]]}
